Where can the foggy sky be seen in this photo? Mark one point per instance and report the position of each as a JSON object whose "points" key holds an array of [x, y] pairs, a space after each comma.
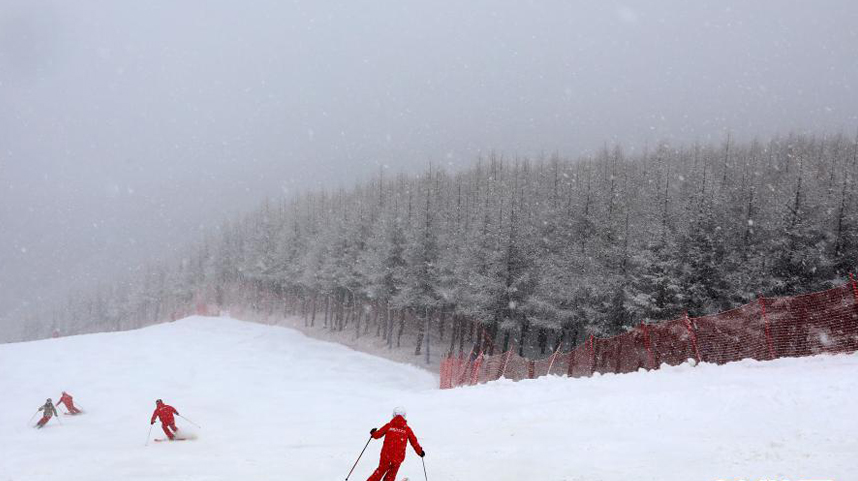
{"points": [[127, 128]]}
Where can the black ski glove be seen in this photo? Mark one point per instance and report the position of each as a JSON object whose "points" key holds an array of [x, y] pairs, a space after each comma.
{"points": [[153, 422], [372, 431], [422, 453]]}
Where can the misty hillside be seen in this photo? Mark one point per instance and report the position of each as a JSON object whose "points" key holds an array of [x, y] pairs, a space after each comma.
{"points": [[531, 252]]}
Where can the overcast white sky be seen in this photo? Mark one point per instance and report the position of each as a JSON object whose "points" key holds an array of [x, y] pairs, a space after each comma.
{"points": [[126, 126]]}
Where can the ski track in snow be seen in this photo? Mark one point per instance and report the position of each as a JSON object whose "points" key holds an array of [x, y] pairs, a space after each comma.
{"points": [[276, 405]]}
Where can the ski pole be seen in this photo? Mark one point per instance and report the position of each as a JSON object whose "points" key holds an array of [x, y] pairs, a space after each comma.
{"points": [[424, 468], [150, 434], [188, 420], [358, 459], [31, 417], [58, 420]]}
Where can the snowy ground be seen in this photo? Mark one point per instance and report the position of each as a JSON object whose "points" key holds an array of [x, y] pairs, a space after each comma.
{"points": [[276, 405]]}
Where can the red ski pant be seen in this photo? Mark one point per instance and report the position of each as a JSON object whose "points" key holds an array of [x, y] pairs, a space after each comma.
{"points": [[72, 409], [386, 469], [43, 421], [172, 426]]}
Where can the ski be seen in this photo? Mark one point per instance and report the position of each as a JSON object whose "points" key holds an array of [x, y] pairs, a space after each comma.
{"points": [[160, 440]]}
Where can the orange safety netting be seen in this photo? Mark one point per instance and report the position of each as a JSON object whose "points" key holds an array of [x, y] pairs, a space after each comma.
{"points": [[770, 328]]}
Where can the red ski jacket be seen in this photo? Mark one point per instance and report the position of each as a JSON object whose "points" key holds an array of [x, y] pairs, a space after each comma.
{"points": [[165, 413], [67, 400], [396, 434]]}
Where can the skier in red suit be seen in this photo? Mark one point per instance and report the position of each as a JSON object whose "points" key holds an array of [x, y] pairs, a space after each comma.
{"points": [[165, 413], [69, 402], [396, 435]]}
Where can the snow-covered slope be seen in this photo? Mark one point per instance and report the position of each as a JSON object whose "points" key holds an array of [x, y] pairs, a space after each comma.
{"points": [[275, 405]]}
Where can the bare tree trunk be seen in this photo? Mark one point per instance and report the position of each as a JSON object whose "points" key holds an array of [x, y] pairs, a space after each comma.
{"points": [[560, 338], [357, 322], [337, 313], [389, 327], [374, 319], [313, 318], [350, 316], [401, 328], [428, 338], [419, 344], [327, 310], [462, 335], [343, 312], [454, 330]]}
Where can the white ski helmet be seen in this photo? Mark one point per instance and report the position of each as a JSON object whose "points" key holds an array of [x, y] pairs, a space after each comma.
{"points": [[399, 411]]}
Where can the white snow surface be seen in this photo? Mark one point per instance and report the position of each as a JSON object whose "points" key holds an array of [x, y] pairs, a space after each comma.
{"points": [[276, 405]]}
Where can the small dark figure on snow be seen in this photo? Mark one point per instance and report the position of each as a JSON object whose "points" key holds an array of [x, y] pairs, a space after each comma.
{"points": [[396, 436], [48, 411], [165, 413], [69, 403]]}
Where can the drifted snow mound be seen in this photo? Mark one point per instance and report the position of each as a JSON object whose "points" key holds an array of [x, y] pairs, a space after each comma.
{"points": [[275, 405]]}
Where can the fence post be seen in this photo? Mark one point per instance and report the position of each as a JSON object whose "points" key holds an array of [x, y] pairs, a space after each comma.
{"points": [[461, 375], [477, 364], [571, 366], [505, 362], [553, 357], [648, 345], [531, 369], [592, 355], [769, 342], [693, 336]]}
